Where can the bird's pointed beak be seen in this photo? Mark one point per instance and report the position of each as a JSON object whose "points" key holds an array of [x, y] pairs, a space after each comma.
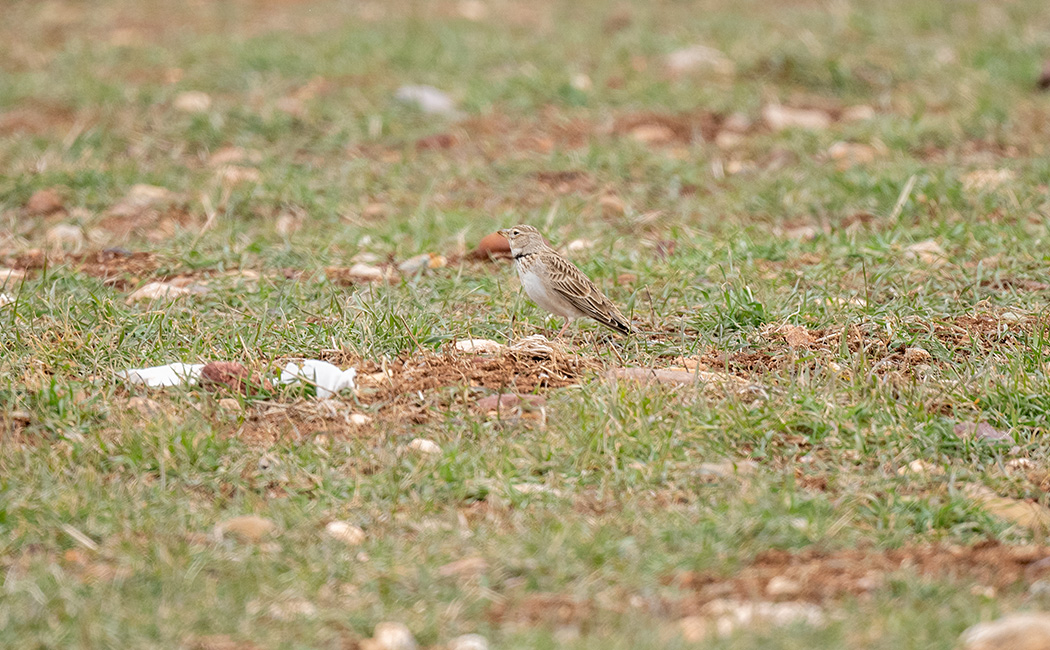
{"points": [[504, 232]]}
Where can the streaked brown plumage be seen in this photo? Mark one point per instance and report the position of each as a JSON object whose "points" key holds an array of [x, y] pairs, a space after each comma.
{"points": [[555, 284]]}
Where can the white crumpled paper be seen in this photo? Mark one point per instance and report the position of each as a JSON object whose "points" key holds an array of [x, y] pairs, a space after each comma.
{"points": [[173, 374], [327, 378]]}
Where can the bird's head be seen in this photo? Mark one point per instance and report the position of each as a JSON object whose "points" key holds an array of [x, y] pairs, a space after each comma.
{"points": [[523, 239]]}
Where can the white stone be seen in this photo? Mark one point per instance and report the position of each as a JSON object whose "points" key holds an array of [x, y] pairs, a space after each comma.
{"points": [[366, 272], [478, 346], [927, 251], [782, 586], [424, 446], [730, 615], [345, 532], [782, 117], [469, 642], [698, 57], [193, 101], [157, 291], [359, 419], [577, 245], [1021, 631], [858, 113], [393, 636], [292, 608]]}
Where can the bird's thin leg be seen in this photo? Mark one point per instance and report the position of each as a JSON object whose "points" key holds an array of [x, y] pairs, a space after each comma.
{"points": [[563, 328]]}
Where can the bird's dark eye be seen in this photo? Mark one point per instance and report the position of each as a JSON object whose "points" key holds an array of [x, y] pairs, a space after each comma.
{"points": [[515, 232]]}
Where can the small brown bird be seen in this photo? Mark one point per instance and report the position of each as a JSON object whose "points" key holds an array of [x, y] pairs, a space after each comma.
{"points": [[555, 284]]}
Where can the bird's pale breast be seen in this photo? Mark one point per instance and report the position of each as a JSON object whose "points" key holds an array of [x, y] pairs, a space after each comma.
{"points": [[536, 287]]}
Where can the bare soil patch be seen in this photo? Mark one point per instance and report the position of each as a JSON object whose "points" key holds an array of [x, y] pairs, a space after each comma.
{"points": [[812, 575], [115, 266], [151, 223], [819, 576], [682, 128], [782, 350], [411, 388], [37, 117]]}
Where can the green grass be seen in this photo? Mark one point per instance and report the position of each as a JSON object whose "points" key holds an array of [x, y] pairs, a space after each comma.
{"points": [[87, 106]]}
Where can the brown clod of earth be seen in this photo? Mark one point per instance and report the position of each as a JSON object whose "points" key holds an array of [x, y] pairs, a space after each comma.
{"points": [[37, 117], [491, 246], [1044, 77], [44, 202], [823, 576], [567, 181], [682, 127], [230, 375], [436, 141]]}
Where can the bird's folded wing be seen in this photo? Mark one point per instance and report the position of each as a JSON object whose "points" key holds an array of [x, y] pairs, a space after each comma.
{"points": [[577, 288]]}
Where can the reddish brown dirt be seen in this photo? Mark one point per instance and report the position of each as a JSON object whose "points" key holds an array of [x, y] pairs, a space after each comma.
{"points": [[565, 182], [217, 642], [417, 389], [960, 335], [37, 118], [823, 576], [685, 127], [117, 267], [413, 392], [542, 608], [430, 371], [153, 224]]}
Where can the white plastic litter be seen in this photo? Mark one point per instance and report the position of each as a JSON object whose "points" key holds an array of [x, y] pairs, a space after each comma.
{"points": [[428, 99], [327, 378], [173, 374]]}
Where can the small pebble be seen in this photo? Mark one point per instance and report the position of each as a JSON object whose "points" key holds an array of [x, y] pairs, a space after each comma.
{"points": [[345, 532], [192, 101], [359, 419], [248, 528], [782, 586], [427, 99], [390, 636], [917, 355], [469, 642], [424, 446], [478, 346]]}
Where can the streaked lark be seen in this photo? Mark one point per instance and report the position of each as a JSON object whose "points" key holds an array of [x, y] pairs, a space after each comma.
{"points": [[555, 284]]}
